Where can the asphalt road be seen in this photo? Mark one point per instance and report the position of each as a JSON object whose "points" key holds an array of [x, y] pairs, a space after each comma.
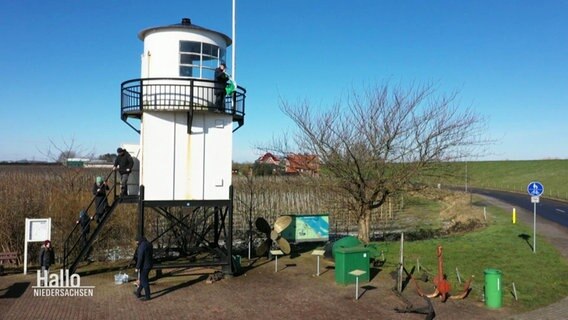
{"points": [[555, 211]]}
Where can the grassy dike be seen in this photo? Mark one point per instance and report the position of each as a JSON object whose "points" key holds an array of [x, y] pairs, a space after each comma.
{"points": [[513, 175], [540, 278]]}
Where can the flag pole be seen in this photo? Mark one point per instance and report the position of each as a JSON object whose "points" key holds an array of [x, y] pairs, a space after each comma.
{"points": [[233, 59]]}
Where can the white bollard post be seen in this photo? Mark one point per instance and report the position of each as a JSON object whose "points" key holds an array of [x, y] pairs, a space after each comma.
{"points": [[356, 288]]}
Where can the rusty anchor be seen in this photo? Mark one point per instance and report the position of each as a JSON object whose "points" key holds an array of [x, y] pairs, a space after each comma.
{"points": [[443, 287]]}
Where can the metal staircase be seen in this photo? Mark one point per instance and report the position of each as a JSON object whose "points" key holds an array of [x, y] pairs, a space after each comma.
{"points": [[76, 248], [208, 222]]}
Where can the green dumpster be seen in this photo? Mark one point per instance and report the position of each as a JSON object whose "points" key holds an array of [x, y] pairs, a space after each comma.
{"points": [[349, 259], [493, 288]]}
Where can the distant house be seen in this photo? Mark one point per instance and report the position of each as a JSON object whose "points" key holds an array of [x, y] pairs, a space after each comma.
{"points": [[301, 164], [95, 163], [268, 158], [267, 164], [304, 164], [76, 162], [87, 163]]}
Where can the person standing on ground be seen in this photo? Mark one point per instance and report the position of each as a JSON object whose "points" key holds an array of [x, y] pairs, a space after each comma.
{"points": [[221, 79], [100, 189], [123, 163], [144, 263], [46, 258]]}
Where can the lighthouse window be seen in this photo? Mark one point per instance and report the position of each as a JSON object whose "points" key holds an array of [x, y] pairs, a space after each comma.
{"points": [[190, 46], [208, 74], [210, 50], [189, 72], [190, 59], [199, 60]]}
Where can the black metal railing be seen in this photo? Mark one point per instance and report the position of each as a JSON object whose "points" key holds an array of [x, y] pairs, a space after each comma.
{"points": [[179, 94]]}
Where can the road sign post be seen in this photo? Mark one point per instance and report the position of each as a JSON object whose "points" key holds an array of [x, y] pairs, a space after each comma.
{"points": [[535, 190]]}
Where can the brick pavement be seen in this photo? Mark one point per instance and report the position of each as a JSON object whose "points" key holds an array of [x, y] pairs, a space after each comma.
{"points": [[260, 293]]}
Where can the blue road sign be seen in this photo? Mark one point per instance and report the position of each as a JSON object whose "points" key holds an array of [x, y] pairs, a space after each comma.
{"points": [[535, 189]]}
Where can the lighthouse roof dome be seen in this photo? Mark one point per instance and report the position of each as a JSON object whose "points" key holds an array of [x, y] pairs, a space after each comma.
{"points": [[184, 25]]}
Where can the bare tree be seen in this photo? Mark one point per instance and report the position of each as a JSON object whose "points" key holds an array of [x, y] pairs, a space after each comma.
{"points": [[385, 141], [67, 149]]}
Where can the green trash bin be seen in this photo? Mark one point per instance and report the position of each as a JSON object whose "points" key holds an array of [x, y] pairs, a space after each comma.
{"points": [[345, 242], [349, 259], [493, 288]]}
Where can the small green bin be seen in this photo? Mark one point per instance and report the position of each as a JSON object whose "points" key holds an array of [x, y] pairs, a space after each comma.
{"points": [[493, 288], [345, 242], [349, 259]]}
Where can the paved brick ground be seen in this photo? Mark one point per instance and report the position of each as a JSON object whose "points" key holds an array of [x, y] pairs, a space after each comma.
{"points": [[260, 293], [292, 293]]}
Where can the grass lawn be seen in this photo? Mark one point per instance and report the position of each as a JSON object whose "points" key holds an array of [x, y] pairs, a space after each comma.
{"points": [[540, 278]]}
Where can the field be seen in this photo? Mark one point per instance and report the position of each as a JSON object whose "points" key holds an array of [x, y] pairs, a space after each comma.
{"points": [[61, 193]]}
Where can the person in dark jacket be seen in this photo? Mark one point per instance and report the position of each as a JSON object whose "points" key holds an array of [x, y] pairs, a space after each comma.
{"points": [[221, 77], [46, 258], [100, 189], [84, 221], [144, 263], [123, 163], [85, 227]]}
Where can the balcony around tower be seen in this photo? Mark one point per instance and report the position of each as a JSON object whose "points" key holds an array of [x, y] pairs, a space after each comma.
{"points": [[179, 95]]}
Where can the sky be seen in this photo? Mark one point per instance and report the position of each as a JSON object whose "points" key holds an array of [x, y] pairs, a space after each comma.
{"points": [[62, 63]]}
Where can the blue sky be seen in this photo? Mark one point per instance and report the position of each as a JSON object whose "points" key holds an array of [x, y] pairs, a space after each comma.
{"points": [[62, 63]]}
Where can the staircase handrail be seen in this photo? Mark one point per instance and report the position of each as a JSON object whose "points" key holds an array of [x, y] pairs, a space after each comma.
{"points": [[66, 250]]}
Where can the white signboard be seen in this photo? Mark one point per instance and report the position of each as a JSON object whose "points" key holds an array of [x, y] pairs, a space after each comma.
{"points": [[37, 230]]}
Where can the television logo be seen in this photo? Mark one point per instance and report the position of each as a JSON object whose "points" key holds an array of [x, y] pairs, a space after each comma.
{"points": [[60, 285]]}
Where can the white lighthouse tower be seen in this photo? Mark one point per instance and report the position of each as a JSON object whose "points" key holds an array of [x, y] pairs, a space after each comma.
{"points": [[186, 122], [185, 142], [182, 168]]}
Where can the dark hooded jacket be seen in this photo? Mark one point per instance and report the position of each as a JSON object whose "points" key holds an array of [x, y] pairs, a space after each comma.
{"points": [[46, 256], [144, 254], [84, 221], [124, 162]]}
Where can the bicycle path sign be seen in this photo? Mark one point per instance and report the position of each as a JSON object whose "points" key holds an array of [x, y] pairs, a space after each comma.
{"points": [[535, 189]]}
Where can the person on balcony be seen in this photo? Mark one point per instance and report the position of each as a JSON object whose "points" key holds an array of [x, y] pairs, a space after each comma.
{"points": [[221, 79], [123, 163], [100, 189]]}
